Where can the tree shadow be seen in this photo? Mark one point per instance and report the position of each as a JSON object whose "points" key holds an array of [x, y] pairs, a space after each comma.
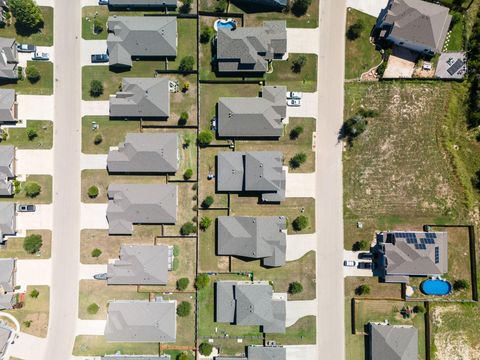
{"points": [[26, 31]]}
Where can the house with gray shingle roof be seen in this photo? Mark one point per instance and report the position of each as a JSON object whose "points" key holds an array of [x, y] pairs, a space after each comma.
{"points": [[258, 352], [272, 4], [393, 342], [261, 237], [7, 283], [250, 303], [403, 254], [7, 220], [141, 265], [8, 59], [136, 357], [7, 157], [8, 106], [145, 153], [415, 24], [258, 172], [130, 204], [147, 37], [253, 117], [6, 338], [141, 98], [141, 321], [142, 4], [250, 49]]}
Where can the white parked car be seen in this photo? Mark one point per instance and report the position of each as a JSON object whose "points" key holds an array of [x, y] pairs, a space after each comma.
{"points": [[293, 102], [294, 95], [427, 66], [350, 263]]}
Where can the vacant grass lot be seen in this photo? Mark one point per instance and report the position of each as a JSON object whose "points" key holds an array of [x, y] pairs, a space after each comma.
{"points": [[301, 270], [45, 196], [44, 86], [18, 136], [43, 37], [207, 187], [207, 240], [95, 345], [302, 332], [360, 54], [14, 246], [282, 74]]}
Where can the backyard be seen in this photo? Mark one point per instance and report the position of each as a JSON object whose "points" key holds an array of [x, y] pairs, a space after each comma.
{"points": [[95, 345], [207, 240]]}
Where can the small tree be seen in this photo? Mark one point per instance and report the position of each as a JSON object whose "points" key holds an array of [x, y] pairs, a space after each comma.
{"points": [[296, 132], [32, 243], [206, 34], [297, 160], [205, 223], [184, 309], [187, 175], [186, 6], [92, 192], [362, 290], [27, 323], [97, 140], [300, 223], [93, 308], [355, 30], [221, 6], [295, 288], [96, 88], [34, 293], [31, 133], [300, 7], [205, 137], [33, 74], [418, 309], [185, 87], [202, 281], [460, 284], [353, 128], [207, 202], [187, 229], [96, 252], [205, 349], [182, 284], [360, 245], [32, 189], [183, 118], [28, 16], [187, 140], [187, 63], [97, 26], [298, 63]]}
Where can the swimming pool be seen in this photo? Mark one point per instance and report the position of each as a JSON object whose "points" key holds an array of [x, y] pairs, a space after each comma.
{"points": [[225, 24], [436, 287]]}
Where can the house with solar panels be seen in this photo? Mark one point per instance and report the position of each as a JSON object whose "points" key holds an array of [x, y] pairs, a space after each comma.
{"points": [[400, 255]]}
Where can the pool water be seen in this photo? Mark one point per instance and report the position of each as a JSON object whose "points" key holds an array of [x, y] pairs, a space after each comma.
{"points": [[436, 287], [226, 24]]}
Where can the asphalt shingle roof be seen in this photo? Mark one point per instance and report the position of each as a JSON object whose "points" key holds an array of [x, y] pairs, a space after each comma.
{"points": [[7, 156], [7, 100], [7, 219], [8, 59], [393, 342], [143, 3]]}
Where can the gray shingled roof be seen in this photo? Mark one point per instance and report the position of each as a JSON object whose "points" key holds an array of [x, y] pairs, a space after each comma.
{"points": [[7, 156], [140, 265], [145, 153], [135, 357], [412, 253], [276, 4], [7, 283], [250, 303], [141, 321], [141, 98], [253, 117], [142, 3], [417, 21], [256, 352], [130, 204], [7, 219], [393, 342], [248, 49], [8, 59], [141, 36], [7, 102], [261, 237], [254, 171], [5, 333]]}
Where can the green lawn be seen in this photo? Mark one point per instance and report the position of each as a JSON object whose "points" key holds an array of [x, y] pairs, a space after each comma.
{"points": [[302, 332], [18, 136], [360, 54], [207, 250], [43, 37], [282, 74], [456, 37], [44, 86], [207, 187], [45, 196], [187, 35], [14, 246], [95, 345]]}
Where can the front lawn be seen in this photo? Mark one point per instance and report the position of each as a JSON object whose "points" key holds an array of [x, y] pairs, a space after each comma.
{"points": [[96, 345], [18, 136], [45, 196], [44, 86], [303, 332], [14, 246], [42, 37], [283, 74]]}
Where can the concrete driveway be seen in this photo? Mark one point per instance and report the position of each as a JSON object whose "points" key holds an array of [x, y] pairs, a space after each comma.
{"points": [[300, 185], [299, 309], [301, 352], [87, 271], [35, 107], [90, 327], [370, 7], [24, 57], [90, 47], [302, 41], [95, 108], [27, 347], [93, 161], [93, 216], [309, 107], [34, 272], [88, 2], [38, 162], [42, 218], [299, 245], [355, 271]]}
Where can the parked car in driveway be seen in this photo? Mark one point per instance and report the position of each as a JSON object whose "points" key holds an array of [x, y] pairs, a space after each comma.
{"points": [[99, 58], [349, 263], [294, 95], [26, 208], [365, 255], [293, 102], [364, 265], [40, 56], [102, 2], [102, 276], [26, 48]]}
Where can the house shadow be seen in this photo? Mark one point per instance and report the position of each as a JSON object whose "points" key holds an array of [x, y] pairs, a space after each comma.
{"points": [[250, 8]]}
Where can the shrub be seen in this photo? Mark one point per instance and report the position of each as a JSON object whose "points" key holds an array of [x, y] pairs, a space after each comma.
{"points": [[368, 113], [362, 290], [92, 192], [96, 252], [31, 133], [97, 26], [418, 309], [221, 6], [33, 74], [360, 245], [207, 202], [353, 128], [297, 160], [205, 223], [300, 223], [296, 132], [295, 288], [205, 137], [187, 175], [206, 34], [96, 88], [187, 63], [175, 264], [20, 73], [182, 283], [202, 281], [97, 140], [32, 243], [93, 308], [186, 86], [27, 14], [183, 118], [205, 349], [355, 30], [187, 229], [27, 323], [300, 7], [298, 63], [32, 189], [184, 309], [176, 250], [17, 186], [186, 6], [460, 284], [187, 140], [34, 293], [456, 18]]}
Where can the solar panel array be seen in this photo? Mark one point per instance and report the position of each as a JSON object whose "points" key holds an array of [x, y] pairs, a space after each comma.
{"points": [[437, 254], [420, 246]]}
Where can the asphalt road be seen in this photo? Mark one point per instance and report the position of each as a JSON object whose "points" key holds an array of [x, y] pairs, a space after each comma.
{"points": [[329, 187], [66, 182]]}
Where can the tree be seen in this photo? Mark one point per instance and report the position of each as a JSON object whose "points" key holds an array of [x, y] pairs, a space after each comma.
{"points": [[360, 245], [362, 290], [96, 88], [187, 175], [93, 308], [298, 63], [296, 132], [368, 113], [34, 293], [182, 356], [205, 137], [185, 87], [221, 6], [353, 128], [300, 223], [31, 133], [206, 34], [27, 323], [96, 252], [207, 202], [187, 63], [300, 7], [460, 284], [184, 309], [187, 140], [295, 288], [297, 160], [183, 118], [97, 26], [187, 229], [202, 281], [92, 192], [355, 30], [32, 243], [205, 349], [186, 6], [33, 74], [418, 309], [97, 140], [28, 16], [205, 223], [182, 284], [32, 189]]}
